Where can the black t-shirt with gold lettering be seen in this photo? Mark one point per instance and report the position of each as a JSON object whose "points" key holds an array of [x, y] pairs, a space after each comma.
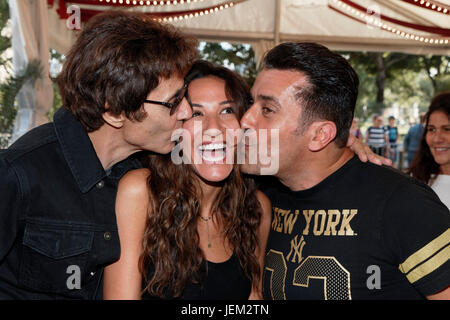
{"points": [[365, 232]]}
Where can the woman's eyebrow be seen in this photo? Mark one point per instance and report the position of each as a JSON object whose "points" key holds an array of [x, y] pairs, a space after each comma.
{"points": [[220, 103]]}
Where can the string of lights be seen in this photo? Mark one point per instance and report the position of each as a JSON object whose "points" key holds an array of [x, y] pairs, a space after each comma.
{"points": [[148, 2], [170, 16], [444, 32], [370, 20], [176, 16], [431, 5]]}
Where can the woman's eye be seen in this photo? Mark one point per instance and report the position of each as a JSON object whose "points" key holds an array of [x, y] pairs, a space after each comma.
{"points": [[228, 110], [431, 129], [196, 113]]}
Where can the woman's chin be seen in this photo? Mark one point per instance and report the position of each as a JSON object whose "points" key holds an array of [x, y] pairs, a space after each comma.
{"points": [[214, 173]]}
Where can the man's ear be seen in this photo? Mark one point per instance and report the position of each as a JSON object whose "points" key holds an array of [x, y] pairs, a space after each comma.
{"points": [[321, 133], [114, 120]]}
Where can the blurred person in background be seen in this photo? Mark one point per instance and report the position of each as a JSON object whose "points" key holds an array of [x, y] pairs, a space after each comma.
{"points": [[376, 136], [392, 131], [412, 139], [354, 129], [432, 162]]}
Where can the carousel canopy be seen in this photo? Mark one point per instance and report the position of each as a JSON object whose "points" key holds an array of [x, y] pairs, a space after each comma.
{"points": [[410, 26]]}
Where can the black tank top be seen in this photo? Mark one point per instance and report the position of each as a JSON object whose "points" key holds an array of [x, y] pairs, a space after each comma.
{"points": [[222, 281]]}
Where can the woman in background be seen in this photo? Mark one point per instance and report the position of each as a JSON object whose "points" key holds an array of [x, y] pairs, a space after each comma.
{"points": [[432, 161]]}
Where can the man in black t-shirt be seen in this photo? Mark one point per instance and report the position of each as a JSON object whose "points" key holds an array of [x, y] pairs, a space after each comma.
{"points": [[383, 239], [341, 229]]}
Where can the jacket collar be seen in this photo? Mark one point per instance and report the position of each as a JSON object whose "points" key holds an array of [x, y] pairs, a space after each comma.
{"points": [[78, 150]]}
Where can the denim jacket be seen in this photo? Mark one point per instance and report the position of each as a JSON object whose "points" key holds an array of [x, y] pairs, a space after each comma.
{"points": [[58, 227]]}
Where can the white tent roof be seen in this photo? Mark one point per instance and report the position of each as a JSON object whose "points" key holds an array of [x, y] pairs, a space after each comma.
{"points": [[358, 25]]}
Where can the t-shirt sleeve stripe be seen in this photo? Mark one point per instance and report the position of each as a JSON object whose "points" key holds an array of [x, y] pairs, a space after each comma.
{"points": [[426, 252], [432, 264]]}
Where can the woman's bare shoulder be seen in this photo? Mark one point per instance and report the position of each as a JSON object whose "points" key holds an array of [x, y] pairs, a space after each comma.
{"points": [[133, 192], [134, 183]]}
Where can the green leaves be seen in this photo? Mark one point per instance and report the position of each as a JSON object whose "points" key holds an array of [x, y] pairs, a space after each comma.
{"points": [[237, 57], [389, 78], [9, 90]]}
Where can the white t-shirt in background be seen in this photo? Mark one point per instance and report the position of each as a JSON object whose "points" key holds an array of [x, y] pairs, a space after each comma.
{"points": [[442, 188]]}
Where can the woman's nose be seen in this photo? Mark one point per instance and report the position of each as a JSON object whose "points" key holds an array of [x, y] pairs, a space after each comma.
{"points": [[213, 128]]}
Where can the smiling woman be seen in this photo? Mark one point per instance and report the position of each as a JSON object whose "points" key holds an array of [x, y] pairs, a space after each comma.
{"points": [[197, 229], [214, 113], [432, 162]]}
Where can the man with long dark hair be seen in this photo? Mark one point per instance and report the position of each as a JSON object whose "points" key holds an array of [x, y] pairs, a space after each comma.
{"points": [[123, 90], [341, 229]]}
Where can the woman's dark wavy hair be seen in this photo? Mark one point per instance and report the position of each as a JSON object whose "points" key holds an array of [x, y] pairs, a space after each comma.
{"points": [[118, 58], [171, 241], [423, 166]]}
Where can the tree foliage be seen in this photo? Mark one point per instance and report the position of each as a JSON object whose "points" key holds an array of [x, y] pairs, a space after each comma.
{"points": [[389, 78], [238, 57], [10, 88], [5, 41], [12, 83]]}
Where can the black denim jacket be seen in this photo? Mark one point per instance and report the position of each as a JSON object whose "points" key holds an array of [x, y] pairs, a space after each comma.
{"points": [[58, 226]]}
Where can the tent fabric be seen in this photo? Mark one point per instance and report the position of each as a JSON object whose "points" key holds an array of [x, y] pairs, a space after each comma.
{"points": [[349, 25], [29, 25]]}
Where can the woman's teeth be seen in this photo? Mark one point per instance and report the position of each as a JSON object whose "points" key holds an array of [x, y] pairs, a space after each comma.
{"points": [[213, 152], [211, 146]]}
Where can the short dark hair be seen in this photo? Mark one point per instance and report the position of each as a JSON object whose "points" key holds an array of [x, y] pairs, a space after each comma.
{"points": [[333, 84], [118, 58], [236, 89]]}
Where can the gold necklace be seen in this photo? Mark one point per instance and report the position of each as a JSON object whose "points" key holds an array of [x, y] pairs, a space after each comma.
{"points": [[207, 229]]}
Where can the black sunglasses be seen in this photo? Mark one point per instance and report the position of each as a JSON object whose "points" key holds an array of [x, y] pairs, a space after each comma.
{"points": [[174, 102]]}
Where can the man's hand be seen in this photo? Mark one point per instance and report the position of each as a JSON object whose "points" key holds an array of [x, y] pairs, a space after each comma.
{"points": [[364, 153]]}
